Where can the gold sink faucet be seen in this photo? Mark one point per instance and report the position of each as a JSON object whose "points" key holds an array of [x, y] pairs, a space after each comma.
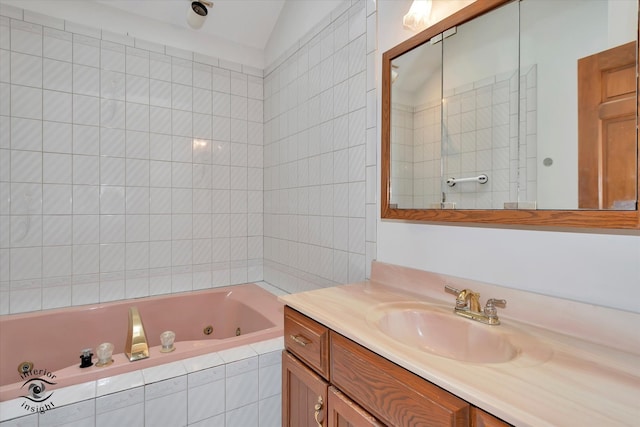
{"points": [[468, 305]]}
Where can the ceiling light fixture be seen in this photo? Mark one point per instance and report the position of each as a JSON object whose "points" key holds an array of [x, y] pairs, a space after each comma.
{"points": [[417, 19], [197, 13]]}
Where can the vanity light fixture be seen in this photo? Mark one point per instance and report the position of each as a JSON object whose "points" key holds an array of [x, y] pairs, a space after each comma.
{"points": [[197, 13], [394, 73], [417, 19]]}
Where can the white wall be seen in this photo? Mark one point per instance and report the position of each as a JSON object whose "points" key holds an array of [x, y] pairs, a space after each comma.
{"points": [[598, 268], [296, 19], [96, 15], [319, 111]]}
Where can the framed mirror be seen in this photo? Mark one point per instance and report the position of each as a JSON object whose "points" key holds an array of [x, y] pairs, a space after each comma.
{"points": [[499, 114]]}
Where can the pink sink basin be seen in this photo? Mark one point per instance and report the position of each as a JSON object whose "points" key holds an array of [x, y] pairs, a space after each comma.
{"points": [[439, 331]]}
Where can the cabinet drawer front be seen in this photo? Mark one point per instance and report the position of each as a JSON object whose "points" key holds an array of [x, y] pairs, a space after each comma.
{"points": [[307, 339], [391, 393]]}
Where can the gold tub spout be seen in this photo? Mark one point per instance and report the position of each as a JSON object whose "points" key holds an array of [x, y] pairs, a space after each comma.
{"points": [[136, 347]]}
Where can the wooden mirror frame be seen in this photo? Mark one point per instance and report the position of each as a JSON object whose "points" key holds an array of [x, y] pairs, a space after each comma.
{"points": [[605, 219]]}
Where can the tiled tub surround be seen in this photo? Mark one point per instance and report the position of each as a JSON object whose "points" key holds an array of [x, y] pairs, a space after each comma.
{"points": [[127, 168], [320, 154], [234, 387], [248, 309], [591, 376]]}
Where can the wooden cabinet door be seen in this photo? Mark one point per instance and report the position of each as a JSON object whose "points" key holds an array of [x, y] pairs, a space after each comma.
{"points": [[343, 412], [304, 395]]}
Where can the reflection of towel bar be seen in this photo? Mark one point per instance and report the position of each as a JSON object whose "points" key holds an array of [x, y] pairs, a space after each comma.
{"points": [[482, 179]]}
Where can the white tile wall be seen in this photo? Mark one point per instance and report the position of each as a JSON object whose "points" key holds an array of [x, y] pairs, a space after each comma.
{"points": [[319, 109], [239, 387], [126, 171]]}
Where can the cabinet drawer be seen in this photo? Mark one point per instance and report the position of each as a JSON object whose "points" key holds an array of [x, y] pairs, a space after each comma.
{"points": [[307, 339], [391, 393]]}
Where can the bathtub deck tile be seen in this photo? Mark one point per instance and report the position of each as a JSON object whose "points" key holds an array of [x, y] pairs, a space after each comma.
{"points": [[28, 421], [274, 344], [118, 383], [270, 359], [11, 409], [237, 353], [175, 385], [242, 366], [74, 393], [81, 412], [270, 380], [217, 421], [119, 400], [132, 415], [168, 410], [163, 372], [270, 411], [205, 361], [241, 390], [206, 376], [205, 401]]}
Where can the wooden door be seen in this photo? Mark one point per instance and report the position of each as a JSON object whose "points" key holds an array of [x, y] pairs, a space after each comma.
{"points": [[304, 394], [607, 150], [343, 412]]}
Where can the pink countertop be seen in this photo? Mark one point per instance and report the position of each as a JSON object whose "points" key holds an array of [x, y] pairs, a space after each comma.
{"points": [[580, 364]]}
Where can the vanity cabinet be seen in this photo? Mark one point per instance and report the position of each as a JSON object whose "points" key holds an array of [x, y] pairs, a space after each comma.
{"points": [[329, 380], [308, 400]]}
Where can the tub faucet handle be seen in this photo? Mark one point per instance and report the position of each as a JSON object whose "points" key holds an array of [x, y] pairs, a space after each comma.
{"points": [[105, 351], [166, 339], [85, 358]]}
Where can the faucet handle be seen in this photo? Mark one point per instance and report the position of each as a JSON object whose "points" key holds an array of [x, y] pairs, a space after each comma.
{"points": [[490, 309], [452, 290], [492, 302]]}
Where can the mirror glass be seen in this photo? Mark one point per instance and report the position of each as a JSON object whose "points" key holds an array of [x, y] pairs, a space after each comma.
{"points": [[480, 114], [416, 131], [530, 106]]}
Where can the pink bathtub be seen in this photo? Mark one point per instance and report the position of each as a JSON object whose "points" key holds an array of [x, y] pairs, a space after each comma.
{"points": [[53, 340]]}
